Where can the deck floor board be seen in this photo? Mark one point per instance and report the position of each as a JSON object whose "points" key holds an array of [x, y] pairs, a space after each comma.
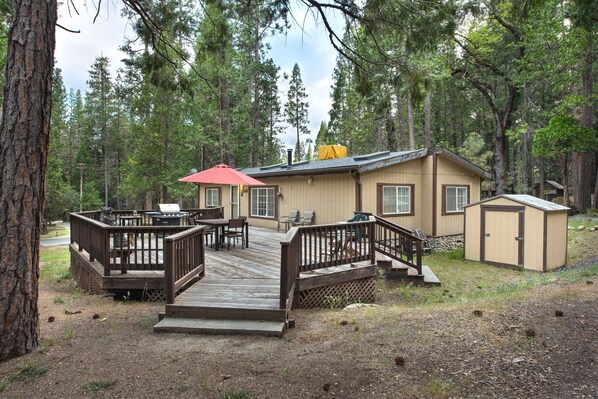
{"points": [[239, 278]]}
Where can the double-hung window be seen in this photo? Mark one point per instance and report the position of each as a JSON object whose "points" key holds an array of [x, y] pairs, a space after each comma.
{"points": [[263, 200], [456, 197], [212, 196], [397, 200]]}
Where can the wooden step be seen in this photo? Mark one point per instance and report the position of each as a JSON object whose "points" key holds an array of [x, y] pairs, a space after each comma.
{"points": [[217, 326], [429, 276], [239, 311]]}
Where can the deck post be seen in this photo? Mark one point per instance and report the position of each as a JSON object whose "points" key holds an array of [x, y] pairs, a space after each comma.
{"points": [[169, 271]]}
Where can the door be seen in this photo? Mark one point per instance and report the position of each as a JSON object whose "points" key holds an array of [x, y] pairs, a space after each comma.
{"points": [[502, 235], [235, 209]]}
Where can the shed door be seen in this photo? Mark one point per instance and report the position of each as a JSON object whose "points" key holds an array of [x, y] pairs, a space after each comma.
{"points": [[502, 235]]}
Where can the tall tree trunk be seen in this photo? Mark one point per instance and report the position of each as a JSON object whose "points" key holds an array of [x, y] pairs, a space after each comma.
{"points": [[410, 121], [402, 132], [427, 120], [542, 187], [582, 164], [24, 133], [565, 174], [391, 133], [255, 104], [501, 162]]}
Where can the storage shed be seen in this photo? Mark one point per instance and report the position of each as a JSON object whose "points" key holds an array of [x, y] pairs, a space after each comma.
{"points": [[517, 230]]}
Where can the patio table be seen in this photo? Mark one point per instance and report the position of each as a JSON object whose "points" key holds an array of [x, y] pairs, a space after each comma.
{"points": [[219, 225]]}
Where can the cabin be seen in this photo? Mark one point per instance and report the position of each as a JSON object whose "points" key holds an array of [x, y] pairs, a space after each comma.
{"points": [[552, 190], [418, 189]]}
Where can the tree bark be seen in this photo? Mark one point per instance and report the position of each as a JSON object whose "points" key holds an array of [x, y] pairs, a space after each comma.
{"points": [[427, 141], [391, 133], [582, 164], [565, 173], [410, 121], [24, 133]]}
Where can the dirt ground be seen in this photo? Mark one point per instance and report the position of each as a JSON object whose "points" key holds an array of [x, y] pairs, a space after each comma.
{"points": [[389, 351]]}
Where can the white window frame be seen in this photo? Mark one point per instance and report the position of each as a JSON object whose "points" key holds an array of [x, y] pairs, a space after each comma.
{"points": [[263, 202], [399, 194], [461, 195], [212, 192]]}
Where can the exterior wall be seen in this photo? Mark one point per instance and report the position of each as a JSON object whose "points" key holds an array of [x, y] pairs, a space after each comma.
{"points": [[224, 197], [404, 173], [533, 243], [449, 173], [473, 223], [426, 200], [332, 197], [556, 240]]}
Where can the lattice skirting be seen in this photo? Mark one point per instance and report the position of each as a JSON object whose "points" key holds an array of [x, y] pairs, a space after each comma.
{"points": [[82, 278], [339, 295], [154, 295]]}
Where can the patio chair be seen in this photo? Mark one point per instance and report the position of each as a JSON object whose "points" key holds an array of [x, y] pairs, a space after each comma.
{"points": [[288, 220], [208, 231], [419, 233], [306, 220], [235, 230]]}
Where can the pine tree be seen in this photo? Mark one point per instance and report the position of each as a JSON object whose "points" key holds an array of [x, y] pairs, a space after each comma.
{"points": [[296, 108]]}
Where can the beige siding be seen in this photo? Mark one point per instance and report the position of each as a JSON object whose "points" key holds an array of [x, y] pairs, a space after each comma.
{"points": [[404, 173], [332, 197], [224, 196], [533, 243], [556, 240], [426, 200], [472, 232], [452, 174]]}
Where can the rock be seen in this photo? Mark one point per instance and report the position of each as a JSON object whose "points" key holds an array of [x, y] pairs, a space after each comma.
{"points": [[581, 227], [518, 359], [361, 305]]}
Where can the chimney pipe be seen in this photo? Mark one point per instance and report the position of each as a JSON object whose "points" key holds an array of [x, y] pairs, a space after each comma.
{"points": [[289, 157]]}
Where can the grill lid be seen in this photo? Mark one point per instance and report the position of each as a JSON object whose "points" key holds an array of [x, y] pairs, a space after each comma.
{"points": [[169, 208]]}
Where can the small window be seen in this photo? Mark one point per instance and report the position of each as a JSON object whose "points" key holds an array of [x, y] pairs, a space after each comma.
{"points": [[455, 198], [263, 200], [396, 200], [212, 196]]}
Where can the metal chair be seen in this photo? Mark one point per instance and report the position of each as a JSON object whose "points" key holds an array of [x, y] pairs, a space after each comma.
{"points": [[288, 220], [235, 230], [419, 233], [306, 220], [208, 231]]}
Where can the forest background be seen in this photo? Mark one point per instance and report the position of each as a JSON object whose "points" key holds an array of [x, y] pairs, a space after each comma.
{"points": [[508, 85]]}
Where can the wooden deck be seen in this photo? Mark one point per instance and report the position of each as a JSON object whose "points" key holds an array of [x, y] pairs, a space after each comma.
{"points": [[240, 292]]}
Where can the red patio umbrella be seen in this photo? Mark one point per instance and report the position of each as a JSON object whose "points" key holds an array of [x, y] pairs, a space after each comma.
{"points": [[222, 174]]}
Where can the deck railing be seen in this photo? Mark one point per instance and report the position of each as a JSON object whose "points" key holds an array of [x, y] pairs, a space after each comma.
{"points": [[310, 248], [183, 260], [120, 247], [398, 243]]}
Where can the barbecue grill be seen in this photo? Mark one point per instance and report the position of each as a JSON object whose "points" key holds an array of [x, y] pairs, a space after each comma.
{"points": [[168, 215]]}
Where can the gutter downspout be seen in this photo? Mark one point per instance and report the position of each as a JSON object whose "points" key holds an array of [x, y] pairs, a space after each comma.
{"points": [[358, 200], [434, 193]]}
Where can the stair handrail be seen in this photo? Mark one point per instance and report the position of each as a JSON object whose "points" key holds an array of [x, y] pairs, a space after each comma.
{"points": [[398, 243]]}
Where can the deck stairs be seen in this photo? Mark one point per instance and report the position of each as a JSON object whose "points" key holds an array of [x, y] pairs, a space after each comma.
{"points": [[396, 270], [216, 305]]}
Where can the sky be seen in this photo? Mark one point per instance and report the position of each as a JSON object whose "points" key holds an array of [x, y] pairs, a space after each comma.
{"points": [[309, 47]]}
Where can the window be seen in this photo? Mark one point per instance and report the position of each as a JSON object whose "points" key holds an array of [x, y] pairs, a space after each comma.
{"points": [[455, 198], [263, 200], [212, 196], [396, 200]]}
